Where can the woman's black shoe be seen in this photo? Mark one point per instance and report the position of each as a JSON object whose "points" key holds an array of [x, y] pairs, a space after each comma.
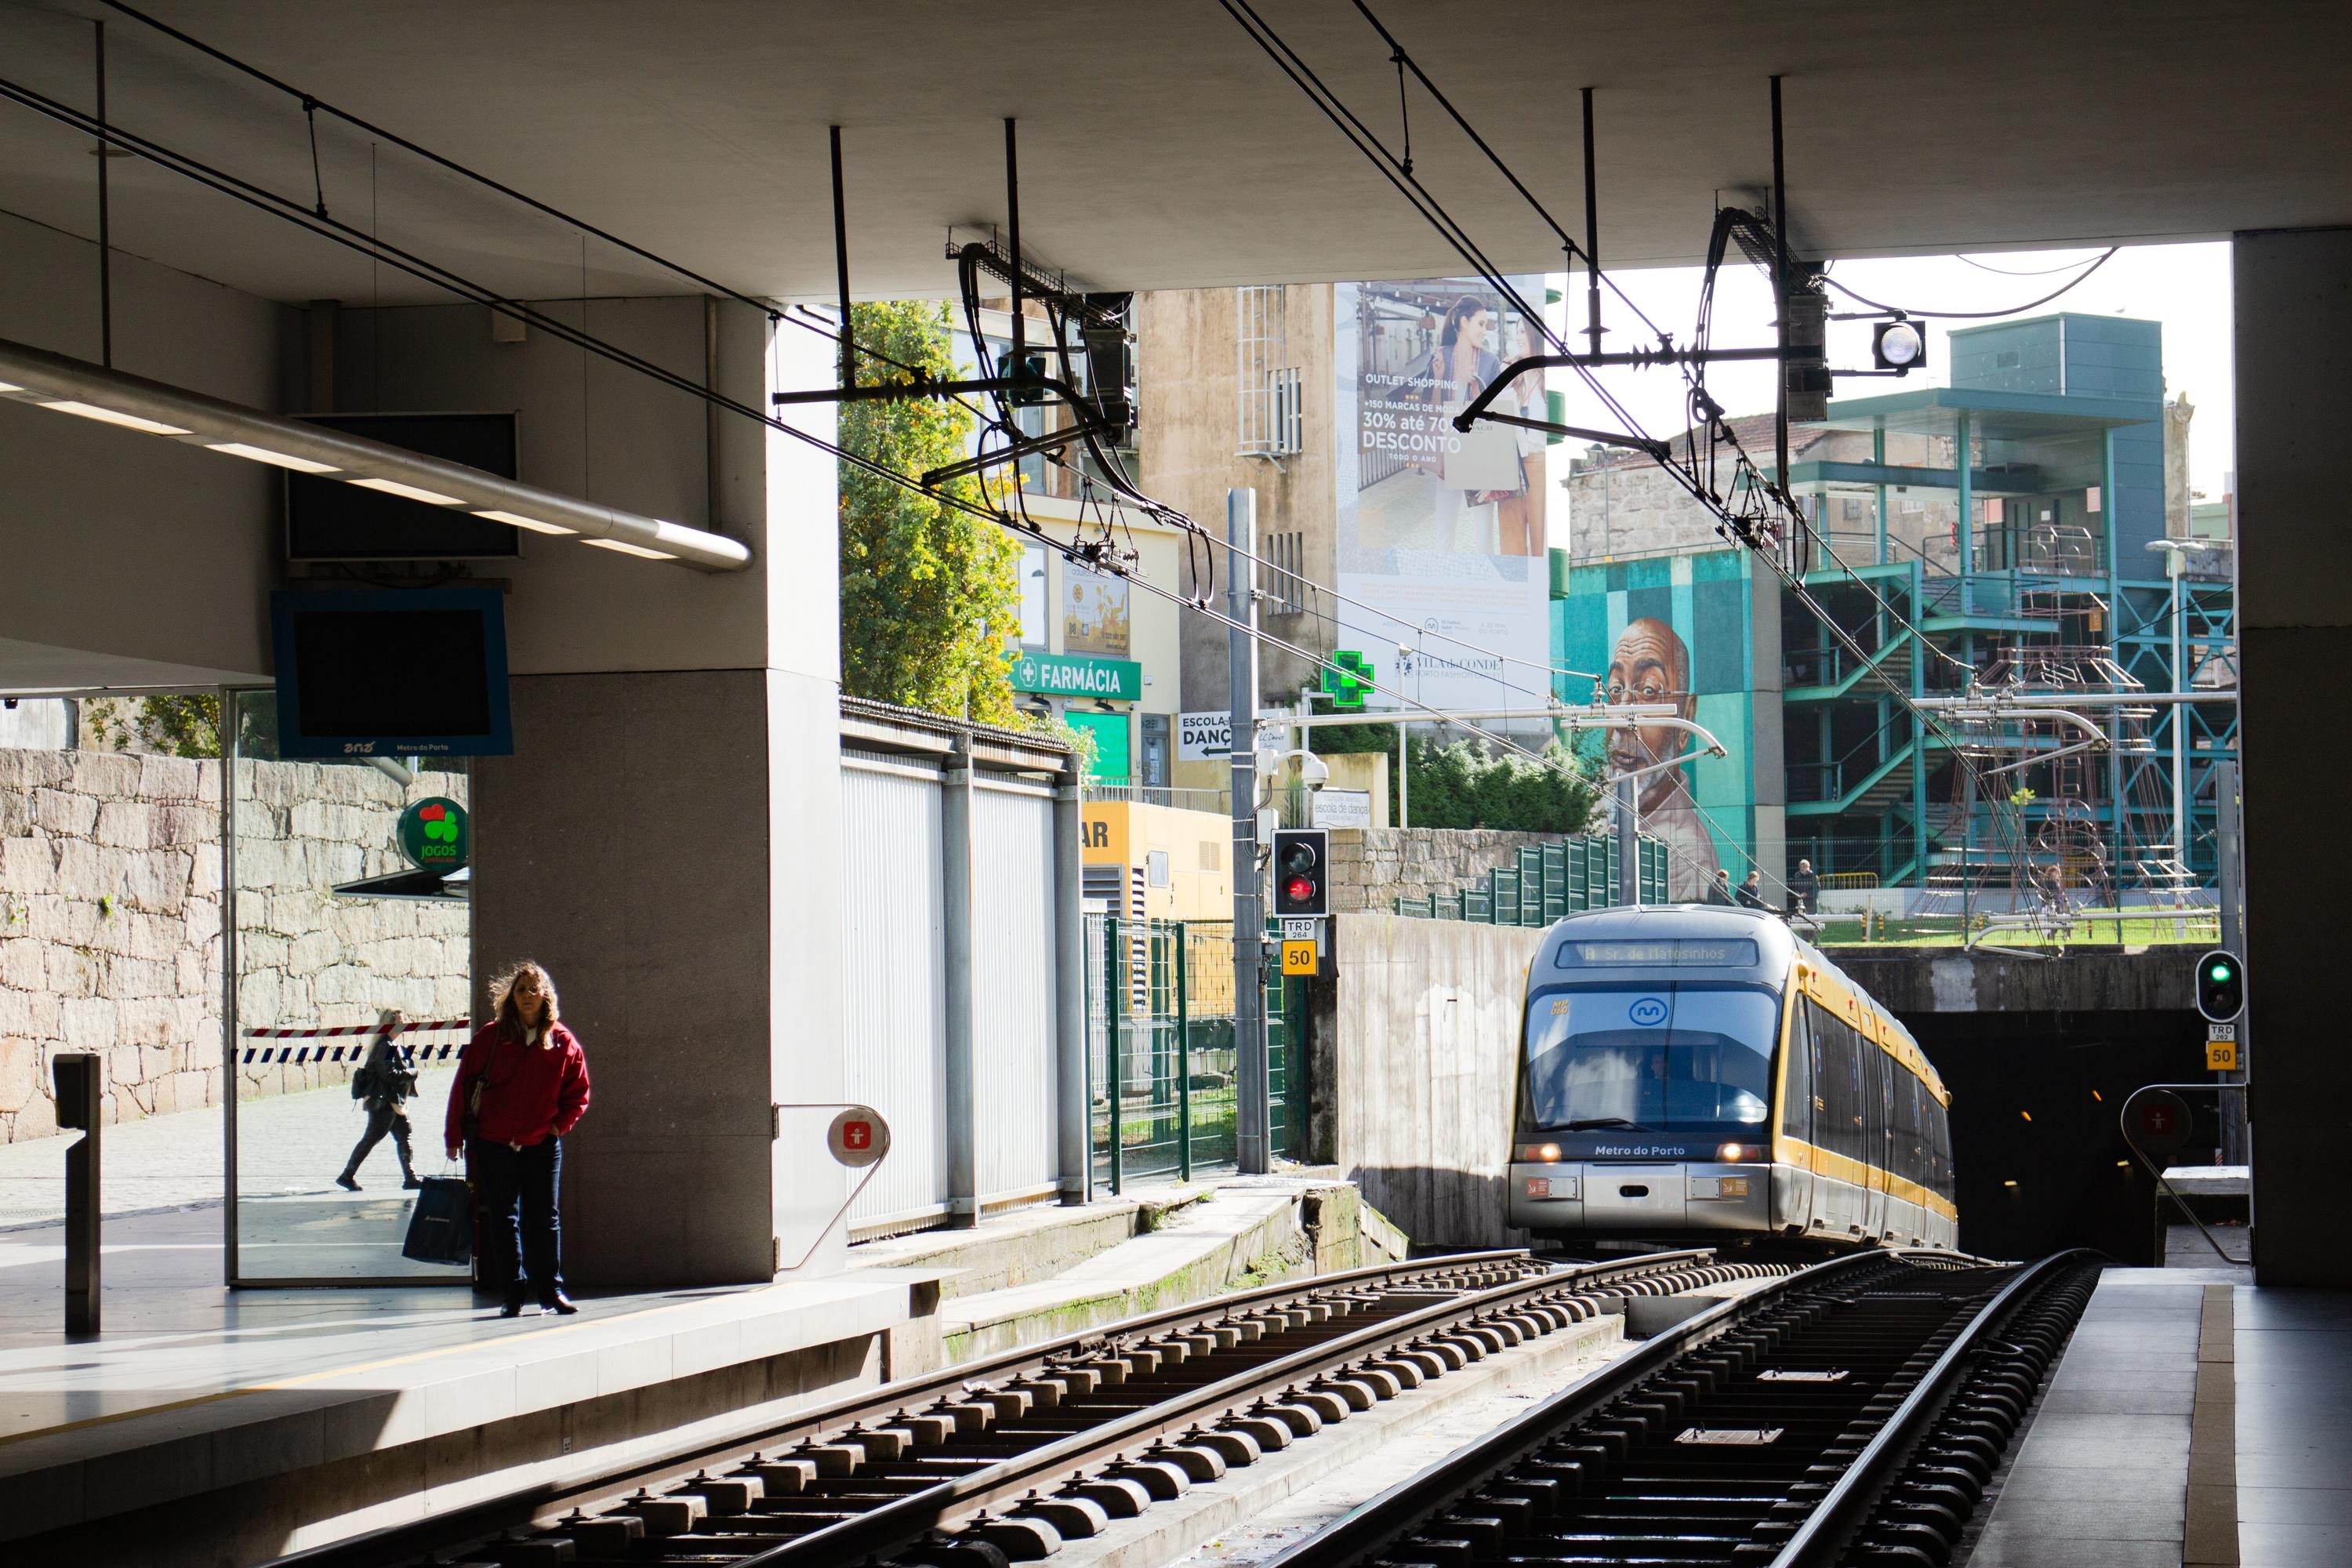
{"points": [[558, 1302], [513, 1308]]}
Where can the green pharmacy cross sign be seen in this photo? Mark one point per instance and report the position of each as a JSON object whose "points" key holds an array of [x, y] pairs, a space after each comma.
{"points": [[433, 834], [1346, 679]]}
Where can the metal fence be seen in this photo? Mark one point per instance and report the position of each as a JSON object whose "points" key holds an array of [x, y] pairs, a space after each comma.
{"points": [[1162, 1068], [1546, 883]]}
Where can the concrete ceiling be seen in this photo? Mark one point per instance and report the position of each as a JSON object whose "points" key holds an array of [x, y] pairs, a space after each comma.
{"points": [[1159, 147]]}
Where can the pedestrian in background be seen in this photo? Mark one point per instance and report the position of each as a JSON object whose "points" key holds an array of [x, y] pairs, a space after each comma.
{"points": [[383, 1083], [1720, 891], [1751, 891], [522, 1085], [1802, 887]]}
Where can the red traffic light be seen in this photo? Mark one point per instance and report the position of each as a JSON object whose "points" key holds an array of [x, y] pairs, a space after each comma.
{"points": [[1299, 890]]}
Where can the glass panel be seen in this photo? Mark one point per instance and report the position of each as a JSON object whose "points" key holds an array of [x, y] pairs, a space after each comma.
{"points": [[335, 924], [1677, 1059]]}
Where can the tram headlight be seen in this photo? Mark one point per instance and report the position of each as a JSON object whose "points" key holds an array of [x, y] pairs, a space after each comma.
{"points": [[1733, 1153], [1546, 1154]]}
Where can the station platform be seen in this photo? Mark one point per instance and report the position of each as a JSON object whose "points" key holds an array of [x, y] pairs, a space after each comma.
{"points": [[259, 1421], [2195, 1421], [241, 1424]]}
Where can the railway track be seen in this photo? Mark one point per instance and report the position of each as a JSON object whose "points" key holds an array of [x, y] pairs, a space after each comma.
{"points": [[1852, 1414], [1001, 1460]]}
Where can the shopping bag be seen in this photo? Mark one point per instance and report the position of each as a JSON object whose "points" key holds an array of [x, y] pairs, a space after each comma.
{"points": [[441, 1227]]}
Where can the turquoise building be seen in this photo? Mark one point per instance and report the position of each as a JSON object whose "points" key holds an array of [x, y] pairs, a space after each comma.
{"points": [[2050, 443]]}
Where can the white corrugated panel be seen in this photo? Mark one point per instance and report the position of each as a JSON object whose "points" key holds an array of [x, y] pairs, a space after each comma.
{"points": [[894, 954], [1016, 1086]]}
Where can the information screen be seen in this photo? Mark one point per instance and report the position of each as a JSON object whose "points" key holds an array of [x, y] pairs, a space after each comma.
{"points": [[392, 674], [1679, 952], [328, 519]]}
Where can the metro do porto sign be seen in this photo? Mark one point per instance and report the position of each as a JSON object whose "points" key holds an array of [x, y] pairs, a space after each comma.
{"points": [[434, 834]]}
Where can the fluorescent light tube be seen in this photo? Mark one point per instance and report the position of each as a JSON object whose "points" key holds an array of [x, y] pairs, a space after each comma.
{"points": [[395, 488], [109, 416], [627, 549], [532, 523], [264, 455], [10, 386]]}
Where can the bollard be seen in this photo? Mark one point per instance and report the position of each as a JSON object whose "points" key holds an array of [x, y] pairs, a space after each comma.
{"points": [[77, 1077]]}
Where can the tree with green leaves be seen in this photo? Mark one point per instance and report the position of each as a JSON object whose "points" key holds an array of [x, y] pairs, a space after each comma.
{"points": [[930, 595], [1464, 784]]}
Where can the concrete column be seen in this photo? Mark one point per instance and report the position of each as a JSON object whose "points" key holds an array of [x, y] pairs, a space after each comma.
{"points": [[2293, 317], [666, 837]]}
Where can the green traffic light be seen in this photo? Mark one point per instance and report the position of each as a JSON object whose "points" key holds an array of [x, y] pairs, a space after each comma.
{"points": [[2220, 973]]}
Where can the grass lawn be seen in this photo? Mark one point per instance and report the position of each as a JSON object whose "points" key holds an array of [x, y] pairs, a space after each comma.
{"points": [[2128, 928]]}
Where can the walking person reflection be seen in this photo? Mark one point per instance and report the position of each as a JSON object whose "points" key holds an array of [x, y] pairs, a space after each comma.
{"points": [[522, 1085], [383, 1084]]}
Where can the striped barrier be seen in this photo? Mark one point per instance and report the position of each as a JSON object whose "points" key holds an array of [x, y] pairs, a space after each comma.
{"points": [[298, 1055]]}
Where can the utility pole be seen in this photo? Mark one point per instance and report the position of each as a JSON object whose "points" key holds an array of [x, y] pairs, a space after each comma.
{"points": [[1629, 846], [1252, 1151], [2235, 1144]]}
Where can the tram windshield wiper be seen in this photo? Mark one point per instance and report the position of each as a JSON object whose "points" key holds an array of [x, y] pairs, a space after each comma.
{"points": [[1587, 1124]]}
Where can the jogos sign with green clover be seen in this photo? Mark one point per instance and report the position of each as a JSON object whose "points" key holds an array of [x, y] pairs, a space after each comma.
{"points": [[432, 834]]}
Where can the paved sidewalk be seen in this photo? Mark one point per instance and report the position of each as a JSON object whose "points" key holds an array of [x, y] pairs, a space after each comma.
{"points": [[287, 1145]]}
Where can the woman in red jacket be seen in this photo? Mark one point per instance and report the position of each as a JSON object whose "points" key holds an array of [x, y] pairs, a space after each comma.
{"points": [[522, 1084]]}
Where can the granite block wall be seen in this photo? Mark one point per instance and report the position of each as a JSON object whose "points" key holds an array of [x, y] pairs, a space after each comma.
{"points": [[110, 923]]}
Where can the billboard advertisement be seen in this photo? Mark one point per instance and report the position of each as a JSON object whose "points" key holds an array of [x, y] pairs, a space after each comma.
{"points": [[1442, 532], [1678, 629]]}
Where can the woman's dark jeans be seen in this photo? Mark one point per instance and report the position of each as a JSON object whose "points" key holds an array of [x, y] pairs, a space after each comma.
{"points": [[522, 1239]]}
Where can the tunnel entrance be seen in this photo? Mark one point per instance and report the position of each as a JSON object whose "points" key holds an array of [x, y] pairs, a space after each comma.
{"points": [[2041, 1158]]}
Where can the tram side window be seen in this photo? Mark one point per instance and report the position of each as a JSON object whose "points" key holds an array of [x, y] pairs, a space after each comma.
{"points": [[1796, 1106], [1940, 1130], [1911, 1160], [1838, 1125], [1879, 1120]]}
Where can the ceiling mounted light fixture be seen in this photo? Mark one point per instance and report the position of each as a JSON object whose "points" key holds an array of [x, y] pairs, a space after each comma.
{"points": [[516, 520], [276, 459], [627, 549], [411, 492], [36, 376], [114, 416]]}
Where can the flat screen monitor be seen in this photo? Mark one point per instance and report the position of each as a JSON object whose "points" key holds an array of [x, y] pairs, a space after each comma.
{"points": [[392, 674], [328, 519]]}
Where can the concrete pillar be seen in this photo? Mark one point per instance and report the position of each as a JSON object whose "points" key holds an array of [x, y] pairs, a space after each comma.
{"points": [[2294, 319], [666, 839]]}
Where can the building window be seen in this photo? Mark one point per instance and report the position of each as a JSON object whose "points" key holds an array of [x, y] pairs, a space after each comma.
{"points": [[1035, 601], [1284, 574], [1267, 387]]}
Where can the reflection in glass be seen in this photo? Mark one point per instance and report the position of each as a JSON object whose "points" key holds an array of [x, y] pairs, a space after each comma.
{"points": [[309, 958]]}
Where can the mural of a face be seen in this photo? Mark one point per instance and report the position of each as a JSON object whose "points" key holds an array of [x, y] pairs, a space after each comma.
{"points": [[1650, 664]]}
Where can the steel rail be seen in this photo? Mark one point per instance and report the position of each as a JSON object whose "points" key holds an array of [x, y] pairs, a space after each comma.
{"points": [[1827, 1529], [523, 1505], [1362, 1534], [909, 1519]]}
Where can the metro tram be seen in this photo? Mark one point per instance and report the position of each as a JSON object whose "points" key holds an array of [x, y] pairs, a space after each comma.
{"points": [[1700, 1075]]}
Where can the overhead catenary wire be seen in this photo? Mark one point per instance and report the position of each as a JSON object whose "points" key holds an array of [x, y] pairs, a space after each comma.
{"points": [[2097, 262], [312, 105], [1704, 411]]}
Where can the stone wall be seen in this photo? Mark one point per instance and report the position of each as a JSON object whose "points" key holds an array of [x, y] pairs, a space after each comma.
{"points": [[1371, 868], [110, 923]]}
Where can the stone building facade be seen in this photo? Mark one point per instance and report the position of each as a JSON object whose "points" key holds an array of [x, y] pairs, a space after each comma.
{"points": [[110, 912]]}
